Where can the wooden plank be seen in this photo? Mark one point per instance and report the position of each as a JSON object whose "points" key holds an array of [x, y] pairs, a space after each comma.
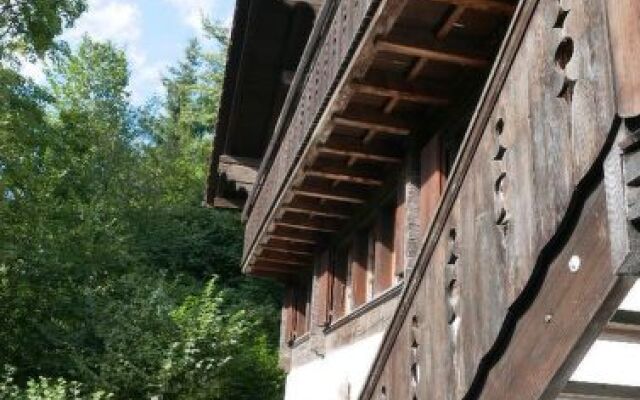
{"points": [[294, 235], [432, 180], [553, 334], [339, 284], [345, 174], [623, 327], [343, 194], [322, 292], [383, 250], [358, 256], [277, 254], [299, 248], [276, 260], [401, 92], [431, 50], [289, 249], [377, 121], [312, 206], [352, 148], [309, 223], [450, 22], [495, 6], [598, 391], [277, 267], [624, 32]]}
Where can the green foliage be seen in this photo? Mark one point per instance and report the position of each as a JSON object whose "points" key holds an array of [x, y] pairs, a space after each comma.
{"points": [[29, 26], [106, 255]]}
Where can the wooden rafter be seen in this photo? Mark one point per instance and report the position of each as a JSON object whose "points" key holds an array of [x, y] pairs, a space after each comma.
{"points": [[449, 22], [351, 148], [495, 6], [294, 235], [623, 327], [343, 194], [288, 249], [431, 50], [346, 174], [382, 123], [308, 223], [407, 93], [598, 391], [276, 255], [275, 267], [281, 260], [311, 206]]}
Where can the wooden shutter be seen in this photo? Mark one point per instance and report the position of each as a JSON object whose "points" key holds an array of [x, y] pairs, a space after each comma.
{"points": [[289, 314], [339, 264], [322, 294], [384, 245], [432, 178], [358, 261]]}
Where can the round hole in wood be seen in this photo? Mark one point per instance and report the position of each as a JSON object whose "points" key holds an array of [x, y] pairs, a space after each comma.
{"points": [[564, 52]]}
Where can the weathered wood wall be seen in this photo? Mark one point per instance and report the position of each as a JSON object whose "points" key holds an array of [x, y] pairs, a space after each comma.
{"points": [[525, 196]]}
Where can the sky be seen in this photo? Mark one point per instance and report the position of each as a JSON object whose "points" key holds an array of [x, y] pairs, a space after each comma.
{"points": [[153, 33]]}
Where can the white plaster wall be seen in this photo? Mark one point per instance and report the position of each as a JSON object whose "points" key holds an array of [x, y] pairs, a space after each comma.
{"points": [[338, 376]]}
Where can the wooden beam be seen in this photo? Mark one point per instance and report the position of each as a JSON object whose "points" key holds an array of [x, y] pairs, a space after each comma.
{"points": [[450, 22], [343, 194], [288, 249], [346, 174], [270, 266], [430, 50], [373, 120], [294, 235], [281, 261], [352, 148], [494, 6], [401, 92], [277, 254], [598, 391], [308, 223], [623, 327], [311, 206]]}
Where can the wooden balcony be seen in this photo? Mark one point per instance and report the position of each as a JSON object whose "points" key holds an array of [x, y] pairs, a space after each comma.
{"points": [[376, 80]]}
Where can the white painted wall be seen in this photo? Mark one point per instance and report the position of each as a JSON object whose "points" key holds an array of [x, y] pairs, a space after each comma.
{"points": [[339, 376]]}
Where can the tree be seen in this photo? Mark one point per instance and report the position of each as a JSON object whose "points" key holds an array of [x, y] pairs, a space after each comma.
{"points": [[28, 27]]}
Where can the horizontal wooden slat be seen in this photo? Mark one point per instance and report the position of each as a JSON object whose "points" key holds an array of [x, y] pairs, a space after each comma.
{"points": [[401, 92], [373, 120], [294, 235], [321, 191], [346, 174], [308, 223], [288, 247], [495, 6], [276, 255], [355, 148], [330, 209], [431, 50], [598, 391], [275, 267], [281, 260], [623, 327]]}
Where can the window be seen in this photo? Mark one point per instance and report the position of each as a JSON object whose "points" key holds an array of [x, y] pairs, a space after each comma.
{"points": [[296, 310]]}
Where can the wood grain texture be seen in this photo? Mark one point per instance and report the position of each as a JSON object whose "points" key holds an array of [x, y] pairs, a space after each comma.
{"points": [[624, 31], [542, 124]]}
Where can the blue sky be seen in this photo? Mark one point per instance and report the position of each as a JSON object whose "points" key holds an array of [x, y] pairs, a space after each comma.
{"points": [[154, 34]]}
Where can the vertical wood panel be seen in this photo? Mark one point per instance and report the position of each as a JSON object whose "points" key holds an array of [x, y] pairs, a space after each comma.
{"points": [[339, 285], [431, 179], [624, 31], [358, 256], [384, 245]]}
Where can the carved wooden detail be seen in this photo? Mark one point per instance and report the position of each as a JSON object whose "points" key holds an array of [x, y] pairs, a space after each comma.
{"points": [[542, 125]]}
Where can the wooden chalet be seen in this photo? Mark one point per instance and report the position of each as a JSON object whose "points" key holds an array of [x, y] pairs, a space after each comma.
{"points": [[448, 189]]}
